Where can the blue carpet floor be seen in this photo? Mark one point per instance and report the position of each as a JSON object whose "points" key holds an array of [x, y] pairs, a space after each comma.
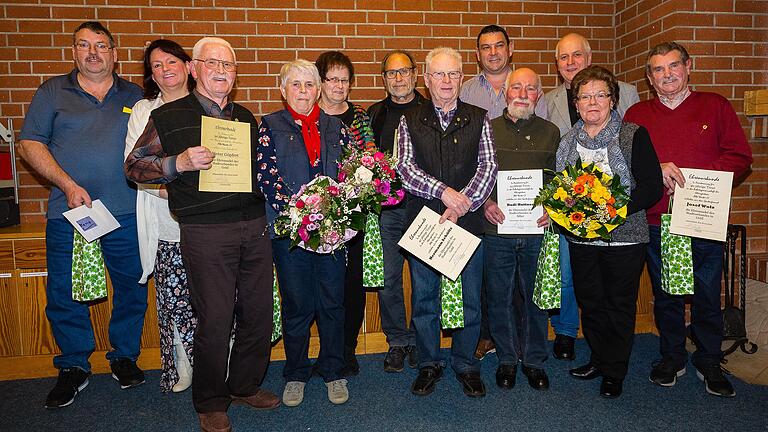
{"points": [[382, 402]]}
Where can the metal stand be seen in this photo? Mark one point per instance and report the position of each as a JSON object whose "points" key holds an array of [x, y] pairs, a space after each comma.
{"points": [[734, 318]]}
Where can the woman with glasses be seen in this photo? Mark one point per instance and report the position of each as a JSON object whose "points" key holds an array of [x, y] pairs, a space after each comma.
{"points": [[337, 74], [166, 78], [298, 144], [606, 274]]}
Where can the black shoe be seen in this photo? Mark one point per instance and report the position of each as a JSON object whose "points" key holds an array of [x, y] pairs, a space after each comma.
{"points": [[537, 378], [563, 349], [610, 388], [351, 366], [125, 371], [70, 383], [586, 372], [395, 359], [505, 376], [715, 381], [413, 356], [472, 384], [666, 372], [424, 383]]}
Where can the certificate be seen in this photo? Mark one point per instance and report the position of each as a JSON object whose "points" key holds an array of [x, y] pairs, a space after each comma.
{"points": [[445, 247], [230, 141], [516, 191], [700, 209], [93, 222]]}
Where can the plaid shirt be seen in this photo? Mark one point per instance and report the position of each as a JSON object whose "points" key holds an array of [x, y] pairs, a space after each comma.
{"points": [[423, 185]]}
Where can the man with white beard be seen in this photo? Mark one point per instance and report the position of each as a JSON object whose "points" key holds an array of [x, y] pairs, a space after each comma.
{"points": [[523, 141]]}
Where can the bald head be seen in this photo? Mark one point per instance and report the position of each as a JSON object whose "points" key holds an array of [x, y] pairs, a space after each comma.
{"points": [[523, 91], [572, 54]]}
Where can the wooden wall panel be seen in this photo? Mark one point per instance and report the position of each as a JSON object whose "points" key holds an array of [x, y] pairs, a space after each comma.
{"points": [[6, 255], [30, 254], [10, 333], [36, 335]]}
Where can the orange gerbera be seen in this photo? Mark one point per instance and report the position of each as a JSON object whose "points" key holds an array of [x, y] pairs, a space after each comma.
{"points": [[611, 210], [611, 200], [577, 217], [578, 188], [586, 178]]}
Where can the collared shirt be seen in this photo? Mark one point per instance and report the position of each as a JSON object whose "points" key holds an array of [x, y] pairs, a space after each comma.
{"points": [[675, 101], [421, 184], [478, 91], [86, 137]]}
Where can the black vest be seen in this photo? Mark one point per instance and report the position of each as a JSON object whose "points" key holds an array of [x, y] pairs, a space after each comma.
{"points": [[448, 155], [178, 126]]}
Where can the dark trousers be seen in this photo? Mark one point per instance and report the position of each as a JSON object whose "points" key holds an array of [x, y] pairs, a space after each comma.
{"points": [[706, 315], [354, 293], [312, 287], [229, 268], [606, 280]]}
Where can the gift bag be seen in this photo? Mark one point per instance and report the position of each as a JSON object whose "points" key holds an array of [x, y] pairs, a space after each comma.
{"points": [[373, 253], [451, 303], [277, 322], [88, 279], [546, 288], [676, 261]]}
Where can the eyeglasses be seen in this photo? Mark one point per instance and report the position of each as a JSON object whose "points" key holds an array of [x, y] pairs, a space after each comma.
{"points": [[337, 80], [214, 64], [404, 72], [439, 76], [86, 46], [599, 97]]}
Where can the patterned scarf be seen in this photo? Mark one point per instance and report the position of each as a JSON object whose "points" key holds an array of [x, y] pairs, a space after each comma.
{"points": [[309, 132], [608, 138]]}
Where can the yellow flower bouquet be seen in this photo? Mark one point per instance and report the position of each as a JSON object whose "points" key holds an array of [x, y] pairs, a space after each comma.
{"points": [[585, 201]]}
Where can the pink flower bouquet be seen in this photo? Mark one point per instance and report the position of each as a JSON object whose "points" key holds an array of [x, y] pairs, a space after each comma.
{"points": [[369, 175], [320, 217]]}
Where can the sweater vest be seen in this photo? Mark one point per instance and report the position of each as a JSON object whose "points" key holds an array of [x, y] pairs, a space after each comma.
{"points": [[448, 155], [178, 125]]}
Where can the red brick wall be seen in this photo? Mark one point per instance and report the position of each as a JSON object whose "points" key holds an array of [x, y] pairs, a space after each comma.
{"points": [[268, 33], [728, 41]]}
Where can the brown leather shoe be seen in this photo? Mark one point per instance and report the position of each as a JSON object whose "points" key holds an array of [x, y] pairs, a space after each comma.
{"points": [[261, 400], [214, 422], [484, 346]]}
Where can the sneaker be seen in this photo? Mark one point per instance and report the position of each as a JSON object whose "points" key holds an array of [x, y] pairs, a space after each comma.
{"points": [[665, 373], [337, 391], [413, 356], [293, 393], [715, 381], [70, 383], [125, 371], [395, 359]]}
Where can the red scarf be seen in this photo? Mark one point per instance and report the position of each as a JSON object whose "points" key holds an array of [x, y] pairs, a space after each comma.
{"points": [[309, 132]]}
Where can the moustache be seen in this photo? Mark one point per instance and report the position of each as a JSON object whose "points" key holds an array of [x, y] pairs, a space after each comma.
{"points": [[93, 57]]}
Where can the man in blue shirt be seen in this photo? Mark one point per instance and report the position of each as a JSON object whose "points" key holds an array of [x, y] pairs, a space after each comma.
{"points": [[73, 136]]}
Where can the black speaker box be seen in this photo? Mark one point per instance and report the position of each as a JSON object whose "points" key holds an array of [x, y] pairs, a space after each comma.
{"points": [[9, 210]]}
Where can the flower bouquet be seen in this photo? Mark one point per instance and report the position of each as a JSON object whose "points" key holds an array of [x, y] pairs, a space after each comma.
{"points": [[585, 201], [320, 217]]}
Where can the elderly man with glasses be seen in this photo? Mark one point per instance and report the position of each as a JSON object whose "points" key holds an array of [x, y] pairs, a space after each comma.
{"points": [[224, 239], [448, 164], [73, 136]]}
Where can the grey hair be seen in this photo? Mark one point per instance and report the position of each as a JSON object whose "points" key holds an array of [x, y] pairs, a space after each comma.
{"points": [[584, 43], [301, 66], [211, 40], [442, 51]]}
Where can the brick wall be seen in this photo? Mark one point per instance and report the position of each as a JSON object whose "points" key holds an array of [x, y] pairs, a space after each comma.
{"points": [[265, 34]]}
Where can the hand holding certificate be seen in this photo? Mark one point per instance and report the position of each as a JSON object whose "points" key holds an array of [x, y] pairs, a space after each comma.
{"points": [[700, 209], [445, 247], [230, 141], [516, 191]]}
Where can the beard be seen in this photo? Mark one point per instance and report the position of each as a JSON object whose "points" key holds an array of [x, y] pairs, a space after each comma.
{"points": [[519, 112]]}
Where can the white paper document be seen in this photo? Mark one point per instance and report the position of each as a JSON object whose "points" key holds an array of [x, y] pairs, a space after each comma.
{"points": [[516, 191], [445, 247], [92, 222], [701, 208]]}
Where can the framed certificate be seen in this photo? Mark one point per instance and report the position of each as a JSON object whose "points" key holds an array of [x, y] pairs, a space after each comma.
{"points": [[516, 191], [701, 208]]}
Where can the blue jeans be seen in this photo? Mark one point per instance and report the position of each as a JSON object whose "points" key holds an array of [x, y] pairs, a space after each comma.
{"points": [[425, 283], [391, 301], [706, 315], [566, 322], [510, 270], [70, 320], [311, 286]]}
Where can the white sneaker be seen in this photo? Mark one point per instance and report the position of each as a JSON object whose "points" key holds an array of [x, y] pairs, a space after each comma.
{"points": [[293, 393], [337, 391], [183, 369]]}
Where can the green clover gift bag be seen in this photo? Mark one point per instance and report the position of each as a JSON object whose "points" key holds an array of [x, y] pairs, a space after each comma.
{"points": [[546, 288], [676, 260], [373, 253], [88, 279], [451, 303], [277, 322]]}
